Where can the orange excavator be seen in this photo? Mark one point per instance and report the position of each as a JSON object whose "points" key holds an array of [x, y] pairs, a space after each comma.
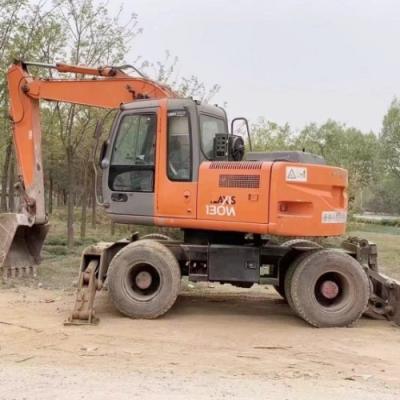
{"points": [[174, 162]]}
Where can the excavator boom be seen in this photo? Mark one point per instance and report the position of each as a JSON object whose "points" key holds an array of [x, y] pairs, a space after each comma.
{"points": [[22, 234]]}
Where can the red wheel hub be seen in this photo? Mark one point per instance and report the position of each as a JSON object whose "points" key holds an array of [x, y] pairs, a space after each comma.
{"points": [[143, 280], [329, 289]]}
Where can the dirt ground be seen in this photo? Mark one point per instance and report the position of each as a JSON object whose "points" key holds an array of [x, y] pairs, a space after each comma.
{"points": [[215, 343]]}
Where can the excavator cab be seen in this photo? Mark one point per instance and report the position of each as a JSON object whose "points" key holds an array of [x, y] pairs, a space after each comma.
{"points": [[154, 153]]}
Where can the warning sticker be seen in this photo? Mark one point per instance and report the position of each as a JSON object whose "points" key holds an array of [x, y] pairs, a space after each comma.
{"points": [[296, 174], [334, 217]]}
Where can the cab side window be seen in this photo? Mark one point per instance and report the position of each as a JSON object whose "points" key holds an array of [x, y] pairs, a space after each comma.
{"points": [[132, 160], [179, 147]]}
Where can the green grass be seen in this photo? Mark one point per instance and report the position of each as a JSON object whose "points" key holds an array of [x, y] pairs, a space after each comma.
{"points": [[388, 250], [60, 265], [374, 228]]}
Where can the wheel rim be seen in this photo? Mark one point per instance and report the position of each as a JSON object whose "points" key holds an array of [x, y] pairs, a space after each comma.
{"points": [[332, 291], [143, 282]]}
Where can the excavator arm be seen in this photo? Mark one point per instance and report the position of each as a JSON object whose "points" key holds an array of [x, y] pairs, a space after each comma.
{"points": [[22, 234]]}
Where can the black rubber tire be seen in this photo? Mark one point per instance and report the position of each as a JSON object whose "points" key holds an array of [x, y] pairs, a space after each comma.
{"points": [[151, 253], [156, 236], [300, 242], [290, 243], [355, 289], [289, 277]]}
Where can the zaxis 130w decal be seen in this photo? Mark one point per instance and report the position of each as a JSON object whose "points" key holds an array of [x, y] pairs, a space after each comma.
{"points": [[224, 206]]}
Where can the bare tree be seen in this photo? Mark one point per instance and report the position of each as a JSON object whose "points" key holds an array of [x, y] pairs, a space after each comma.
{"points": [[93, 38]]}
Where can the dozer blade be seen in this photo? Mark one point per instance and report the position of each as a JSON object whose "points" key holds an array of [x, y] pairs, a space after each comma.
{"points": [[20, 245], [385, 300]]}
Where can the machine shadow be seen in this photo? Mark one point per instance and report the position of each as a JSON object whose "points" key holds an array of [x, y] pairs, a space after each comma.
{"points": [[217, 306]]}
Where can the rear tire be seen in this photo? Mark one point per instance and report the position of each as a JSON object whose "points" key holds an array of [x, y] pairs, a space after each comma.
{"points": [[281, 288], [301, 243], [289, 276], [144, 279], [156, 236], [281, 291], [329, 289]]}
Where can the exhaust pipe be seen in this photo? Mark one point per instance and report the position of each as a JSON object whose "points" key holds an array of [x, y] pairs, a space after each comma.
{"points": [[20, 245]]}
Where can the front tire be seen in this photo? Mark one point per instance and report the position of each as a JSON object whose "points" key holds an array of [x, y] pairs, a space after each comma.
{"points": [[329, 289], [144, 279]]}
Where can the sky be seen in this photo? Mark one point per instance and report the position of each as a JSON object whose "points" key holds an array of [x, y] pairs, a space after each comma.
{"points": [[294, 61]]}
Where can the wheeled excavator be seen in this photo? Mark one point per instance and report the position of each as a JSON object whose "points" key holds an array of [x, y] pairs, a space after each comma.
{"points": [[174, 162]]}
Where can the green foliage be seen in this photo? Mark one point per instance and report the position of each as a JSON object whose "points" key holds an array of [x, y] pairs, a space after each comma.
{"points": [[269, 136], [384, 194], [342, 146], [390, 138]]}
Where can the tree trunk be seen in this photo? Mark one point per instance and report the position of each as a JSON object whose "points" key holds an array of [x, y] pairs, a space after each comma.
{"points": [[50, 208], [84, 200], [70, 178], [4, 178], [11, 182], [70, 199], [112, 230], [94, 204]]}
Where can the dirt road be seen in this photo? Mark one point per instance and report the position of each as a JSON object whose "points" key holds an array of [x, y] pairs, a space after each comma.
{"points": [[212, 345]]}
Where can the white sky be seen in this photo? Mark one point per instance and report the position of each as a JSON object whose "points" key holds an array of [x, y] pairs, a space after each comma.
{"points": [[294, 61]]}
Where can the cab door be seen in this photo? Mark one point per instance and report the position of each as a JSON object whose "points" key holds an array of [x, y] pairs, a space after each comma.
{"points": [[129, 181], [177, 173]]}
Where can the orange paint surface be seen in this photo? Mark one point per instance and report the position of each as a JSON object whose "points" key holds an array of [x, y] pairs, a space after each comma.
{"points": [[258, 197]]}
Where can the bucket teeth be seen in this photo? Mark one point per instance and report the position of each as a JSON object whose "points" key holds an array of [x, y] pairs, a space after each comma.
{"points": [[18, 272], [20, 246]]}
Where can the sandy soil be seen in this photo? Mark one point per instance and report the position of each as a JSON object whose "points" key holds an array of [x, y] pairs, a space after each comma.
{"points": [[214, 344]]}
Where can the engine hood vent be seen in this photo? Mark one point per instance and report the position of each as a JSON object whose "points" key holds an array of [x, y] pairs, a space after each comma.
{"points": [[236, 165], [239, 181]]}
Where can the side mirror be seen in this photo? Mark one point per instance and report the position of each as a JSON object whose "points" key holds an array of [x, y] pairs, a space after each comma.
{"points": [[240, 127]]}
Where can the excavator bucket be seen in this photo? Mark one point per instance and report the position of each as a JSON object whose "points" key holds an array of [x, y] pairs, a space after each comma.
{"points": [[20, 245]]}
